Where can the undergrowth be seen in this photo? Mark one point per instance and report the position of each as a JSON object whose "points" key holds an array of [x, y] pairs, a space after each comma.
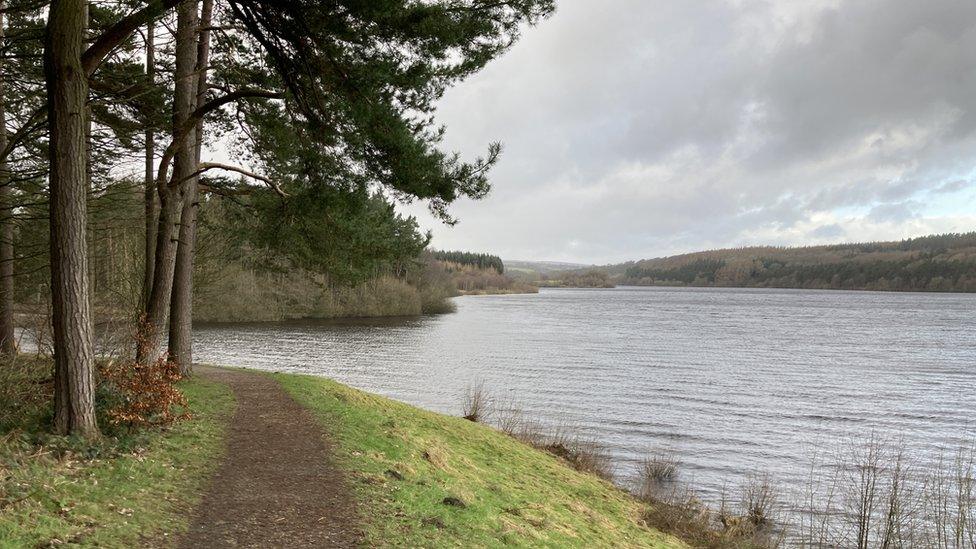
{"points": [[117, 491]]}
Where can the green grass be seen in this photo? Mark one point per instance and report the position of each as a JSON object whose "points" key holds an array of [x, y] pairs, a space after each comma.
{"points": [[404, 462], [119, 492]]}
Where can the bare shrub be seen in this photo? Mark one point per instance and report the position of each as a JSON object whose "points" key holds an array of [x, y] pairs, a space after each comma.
{"points": [[36, 332], [436, 285], [237, 292], [580, 452], [479, 405], [508, 417], [660, 466], [875, 495], [675, 509], [433, 302], [900, 505], [584, 455], [965, 478], [113, 338], [656, 473], [864, 474], [760, 521], [683, 515], [950, 501], [759, 502], [475, 406]]}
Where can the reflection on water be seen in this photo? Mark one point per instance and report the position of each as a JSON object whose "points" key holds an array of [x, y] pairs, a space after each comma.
{"points": [[734, 380]]}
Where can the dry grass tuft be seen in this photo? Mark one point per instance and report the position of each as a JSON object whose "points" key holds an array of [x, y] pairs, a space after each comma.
{"points": [[579, 451]]}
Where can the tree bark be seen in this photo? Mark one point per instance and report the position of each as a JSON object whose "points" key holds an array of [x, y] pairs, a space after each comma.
{"points": [[184, 98], [150, 190], [67, 93], [8, 344], [181, 315]]}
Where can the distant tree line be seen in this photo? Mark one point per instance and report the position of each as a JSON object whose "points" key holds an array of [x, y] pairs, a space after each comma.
{"points": [[930, 243], [933, 263], [591, 278], [481, 261], [700, 270]]}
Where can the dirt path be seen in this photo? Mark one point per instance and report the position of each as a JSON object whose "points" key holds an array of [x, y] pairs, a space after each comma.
{"points": [[277, 486]]}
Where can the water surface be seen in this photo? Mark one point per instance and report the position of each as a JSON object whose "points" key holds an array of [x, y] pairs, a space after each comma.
{"points": [[735, 381]]}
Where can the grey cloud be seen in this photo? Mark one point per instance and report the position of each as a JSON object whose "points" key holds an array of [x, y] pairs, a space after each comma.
{"points": [[896, 212], [831, 231], [873, 68], [635, 128], [864, 192], [953, 186]]}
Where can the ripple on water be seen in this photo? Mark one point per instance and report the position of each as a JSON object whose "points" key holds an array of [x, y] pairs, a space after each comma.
{"points": [[733, 381]]}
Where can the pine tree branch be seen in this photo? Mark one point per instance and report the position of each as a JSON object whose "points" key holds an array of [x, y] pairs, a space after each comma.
{"points": [[207, 166], [93, 56], [120, 32]]}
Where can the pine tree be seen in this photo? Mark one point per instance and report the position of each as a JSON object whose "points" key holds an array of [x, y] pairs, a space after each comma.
{"points": [[67, 93]]}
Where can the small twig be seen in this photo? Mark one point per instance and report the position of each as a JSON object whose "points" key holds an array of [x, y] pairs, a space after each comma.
{"points": [[8, 503]]}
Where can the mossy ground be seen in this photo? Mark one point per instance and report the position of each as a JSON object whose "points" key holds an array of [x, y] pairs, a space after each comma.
{"points": [[118, 492], [411, 469]]}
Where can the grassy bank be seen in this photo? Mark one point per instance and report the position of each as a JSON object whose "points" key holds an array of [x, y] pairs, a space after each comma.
{"points": [[118, 492], [430, 480], [420, 478]]}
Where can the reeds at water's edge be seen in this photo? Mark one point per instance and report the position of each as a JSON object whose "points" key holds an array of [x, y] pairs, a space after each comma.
{"points": [[868, 493]]}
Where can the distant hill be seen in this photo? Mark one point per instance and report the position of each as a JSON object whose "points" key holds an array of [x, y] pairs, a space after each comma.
{"points": [[543, 267], [553, 274], [945, 262]]}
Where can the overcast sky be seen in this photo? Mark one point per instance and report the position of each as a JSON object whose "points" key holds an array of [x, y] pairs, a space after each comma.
{"points": [[641, 128]]}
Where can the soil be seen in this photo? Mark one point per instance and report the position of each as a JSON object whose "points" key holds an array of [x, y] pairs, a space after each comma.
{"points": [[278, 485]]}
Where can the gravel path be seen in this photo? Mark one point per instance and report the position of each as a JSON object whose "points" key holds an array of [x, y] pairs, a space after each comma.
{"points": [[278, 485]]}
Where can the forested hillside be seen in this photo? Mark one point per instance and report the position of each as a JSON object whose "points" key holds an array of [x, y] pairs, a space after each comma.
{"points": [[238, 277], [590, 278], [945, 262], [481, 261], [478, 273]]}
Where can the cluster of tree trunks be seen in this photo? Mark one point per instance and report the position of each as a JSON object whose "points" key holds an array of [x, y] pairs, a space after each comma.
{"points": [[170, 225], [172, 283], [362, 80]]}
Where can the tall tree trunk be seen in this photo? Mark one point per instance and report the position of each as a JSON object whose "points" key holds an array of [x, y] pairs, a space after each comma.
{"points": [[95, 282], [181, 315], [150, 196], [157, 310], [8, 345], [67, 93]]}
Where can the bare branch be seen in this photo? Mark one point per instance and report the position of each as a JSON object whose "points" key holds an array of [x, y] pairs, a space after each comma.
{"points": [[207, 166], [191, 122]]}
